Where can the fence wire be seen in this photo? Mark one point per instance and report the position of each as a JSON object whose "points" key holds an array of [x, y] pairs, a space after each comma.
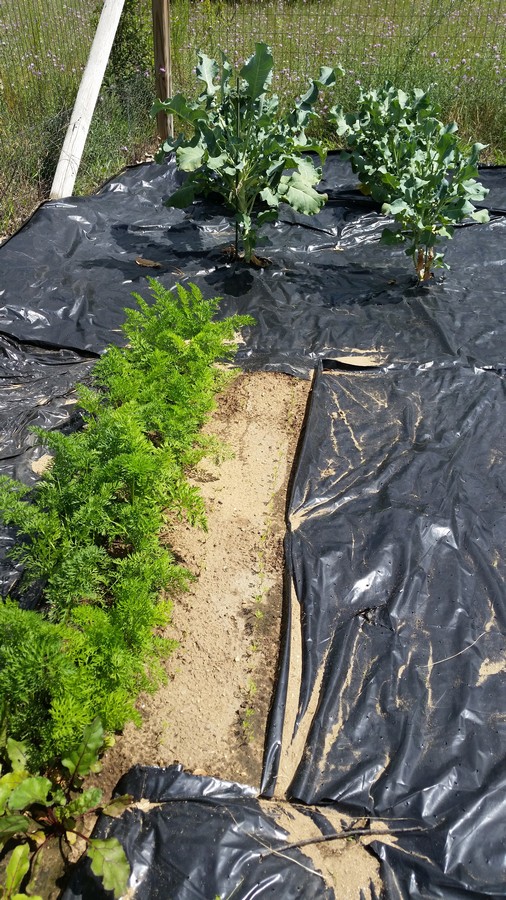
{"points": [[456, 45], [453, 43], [44, 46], [43, 50]]}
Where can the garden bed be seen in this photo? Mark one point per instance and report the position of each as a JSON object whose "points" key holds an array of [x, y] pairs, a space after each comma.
{"points": [[329, 291], [212, 715]]}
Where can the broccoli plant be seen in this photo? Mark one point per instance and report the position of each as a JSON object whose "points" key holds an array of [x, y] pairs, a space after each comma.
{"points": [[35, 810], [382, 135], [432, 195], [242, 147], [414, 165]]}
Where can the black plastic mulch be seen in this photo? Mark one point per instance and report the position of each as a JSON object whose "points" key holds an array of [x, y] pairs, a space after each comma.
{"points": [[396, 530], [203, 838]]}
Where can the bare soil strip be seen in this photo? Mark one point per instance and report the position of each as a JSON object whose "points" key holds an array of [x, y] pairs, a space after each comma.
{"points": [[211, 715]]}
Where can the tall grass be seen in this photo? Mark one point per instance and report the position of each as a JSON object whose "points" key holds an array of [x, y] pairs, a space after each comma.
{"points": [[42, 54], [44, 45], [457, 45]]}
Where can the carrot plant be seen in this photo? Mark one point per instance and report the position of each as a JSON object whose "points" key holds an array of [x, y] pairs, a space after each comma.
{"points": [[415, 166], [242, 147], [89, 531]]}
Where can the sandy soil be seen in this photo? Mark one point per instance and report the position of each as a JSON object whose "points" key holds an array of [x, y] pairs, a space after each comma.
{"points": [[211, 715]]}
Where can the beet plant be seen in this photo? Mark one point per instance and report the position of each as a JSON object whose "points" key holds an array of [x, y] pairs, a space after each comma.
{"points": [[240, 145], [414, 165], [36, 811]]}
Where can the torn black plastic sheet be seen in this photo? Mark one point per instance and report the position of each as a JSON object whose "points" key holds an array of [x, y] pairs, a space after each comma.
{"points": [[196, 838], [36, 390], [66, 277], [395, 555]]}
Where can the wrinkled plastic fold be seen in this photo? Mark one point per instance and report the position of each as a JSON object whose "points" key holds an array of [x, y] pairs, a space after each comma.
{"points": [[199, 837], [396, 582]]}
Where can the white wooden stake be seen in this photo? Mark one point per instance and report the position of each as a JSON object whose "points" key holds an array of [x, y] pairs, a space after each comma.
{"points": [[87, 95]]}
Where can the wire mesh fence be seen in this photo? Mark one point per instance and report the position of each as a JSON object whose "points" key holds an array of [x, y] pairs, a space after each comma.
{"points": [[44, 45], [43, 49], [456, 45]]}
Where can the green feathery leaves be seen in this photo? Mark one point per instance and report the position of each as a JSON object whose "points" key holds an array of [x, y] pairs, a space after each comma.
{"points": [[89, 531]]}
